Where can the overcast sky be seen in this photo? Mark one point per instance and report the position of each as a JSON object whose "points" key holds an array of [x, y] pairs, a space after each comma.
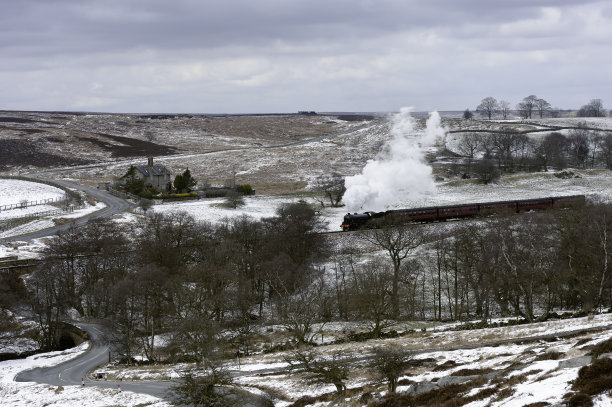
{"points": [[257, 56]]}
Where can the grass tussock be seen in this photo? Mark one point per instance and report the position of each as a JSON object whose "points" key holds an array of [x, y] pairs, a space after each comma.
{"points": [[449, 364], [595, 378], [448, 396], [554, 355], [580, 400], [473, 372], [601, 348]]}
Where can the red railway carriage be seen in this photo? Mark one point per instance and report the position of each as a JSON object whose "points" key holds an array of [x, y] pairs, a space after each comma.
{"points": [[442, 213], [490, 208], [533, 204], [457, 211]]}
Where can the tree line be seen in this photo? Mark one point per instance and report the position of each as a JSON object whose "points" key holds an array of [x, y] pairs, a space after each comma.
{"points": [[194, 282], [530, 106]]}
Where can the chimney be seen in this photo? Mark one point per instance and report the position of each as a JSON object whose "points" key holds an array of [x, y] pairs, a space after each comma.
{"points": [[150, 164]]}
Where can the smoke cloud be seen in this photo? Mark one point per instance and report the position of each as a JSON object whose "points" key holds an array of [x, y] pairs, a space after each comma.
{"points": [[398, 173]]}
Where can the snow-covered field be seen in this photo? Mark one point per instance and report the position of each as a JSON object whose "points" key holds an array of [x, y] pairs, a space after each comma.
{"points": [[13, 191], [18, 394]]}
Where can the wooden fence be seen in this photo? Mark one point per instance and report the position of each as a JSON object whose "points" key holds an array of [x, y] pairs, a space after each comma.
{"points": [[12, 223], [26, 203]]}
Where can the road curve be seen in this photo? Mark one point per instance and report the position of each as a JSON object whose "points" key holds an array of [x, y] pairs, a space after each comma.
{"points": [[75, 370], [114, 205]]}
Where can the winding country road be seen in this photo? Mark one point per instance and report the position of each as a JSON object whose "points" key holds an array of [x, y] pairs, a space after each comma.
{"points": [[114, 205]]}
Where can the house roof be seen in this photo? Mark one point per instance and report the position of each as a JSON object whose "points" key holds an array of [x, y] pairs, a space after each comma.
{"points": [[158, 170]]}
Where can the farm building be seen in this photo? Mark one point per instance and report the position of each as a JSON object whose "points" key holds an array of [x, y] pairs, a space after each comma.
{"points": [[154, 175]]}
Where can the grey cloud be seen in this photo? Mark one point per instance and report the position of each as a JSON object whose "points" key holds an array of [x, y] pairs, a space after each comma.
{"points": [[284, 55]]}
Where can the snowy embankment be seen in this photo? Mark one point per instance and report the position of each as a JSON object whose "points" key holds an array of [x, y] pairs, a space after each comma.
{"points": [[17, 394], [36, 217]]}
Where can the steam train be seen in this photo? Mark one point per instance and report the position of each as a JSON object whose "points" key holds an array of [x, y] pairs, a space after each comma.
{"points": [[354, 221]]}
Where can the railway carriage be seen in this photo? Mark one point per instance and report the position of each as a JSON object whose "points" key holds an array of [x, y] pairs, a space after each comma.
{"points": [[442, 213]]}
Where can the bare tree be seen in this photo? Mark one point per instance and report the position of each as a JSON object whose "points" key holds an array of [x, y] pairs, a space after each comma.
{"points": [[579, 146], [504, 108], [390, 364], [331, 186], [606, 151], [488, 107], [551, 151], [542, 106], [593, 109], [371, 295], [301, 311], [398, 242], [527, 106], [586, 246], [467, 114], [145, 204], [234, 199], [321, 370], [468, 147], [197, 389]]}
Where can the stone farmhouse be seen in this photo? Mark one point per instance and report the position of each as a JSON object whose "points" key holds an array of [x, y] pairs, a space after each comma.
{"points": [[155, 175]]}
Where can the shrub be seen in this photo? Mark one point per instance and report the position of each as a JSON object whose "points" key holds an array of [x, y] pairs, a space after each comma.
{"points": [[176, 196], [595, 378], [486, 171], [245, 189], [216, 192]]}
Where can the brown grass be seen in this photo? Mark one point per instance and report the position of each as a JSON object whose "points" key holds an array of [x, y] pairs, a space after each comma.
{"points": [[553, 355], [601, 348], [448, 396], [595, 378], [473, 372], [580, 400]]}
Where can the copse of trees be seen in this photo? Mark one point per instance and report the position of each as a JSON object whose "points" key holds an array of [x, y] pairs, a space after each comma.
{"points": [[592, 109], [531, 105], [511, 151]]}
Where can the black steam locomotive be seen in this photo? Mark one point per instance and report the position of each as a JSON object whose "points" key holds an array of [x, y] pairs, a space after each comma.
{"points": [[354, 221]]}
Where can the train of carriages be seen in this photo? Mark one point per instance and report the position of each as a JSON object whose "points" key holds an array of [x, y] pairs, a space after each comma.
{"points": [[354, 221]]}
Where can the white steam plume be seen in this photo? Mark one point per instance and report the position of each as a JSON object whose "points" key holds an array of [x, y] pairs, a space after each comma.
{"points": [[398, 173]]}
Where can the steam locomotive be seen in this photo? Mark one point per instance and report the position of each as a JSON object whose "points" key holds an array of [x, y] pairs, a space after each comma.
{"points": [[354, 221]]}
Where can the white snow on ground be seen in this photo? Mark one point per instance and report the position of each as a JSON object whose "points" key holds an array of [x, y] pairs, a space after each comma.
{"points": [[22, 249], [211, 210], [18, 394], [14, 191]]}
